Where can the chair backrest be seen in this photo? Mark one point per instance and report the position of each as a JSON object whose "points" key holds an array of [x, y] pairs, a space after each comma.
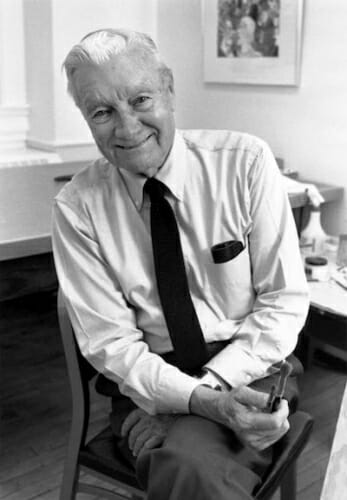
{"points": [[80, 372], [94, 455]]}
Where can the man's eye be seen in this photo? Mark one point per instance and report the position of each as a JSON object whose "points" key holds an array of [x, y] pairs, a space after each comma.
{"points": [[101, 115], [142, 101]]}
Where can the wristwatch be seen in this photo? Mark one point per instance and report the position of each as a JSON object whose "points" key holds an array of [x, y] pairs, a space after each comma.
{"points": [[208, 379]]}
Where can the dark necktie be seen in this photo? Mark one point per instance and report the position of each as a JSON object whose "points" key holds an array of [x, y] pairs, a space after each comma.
{"points": [[181, 319]]}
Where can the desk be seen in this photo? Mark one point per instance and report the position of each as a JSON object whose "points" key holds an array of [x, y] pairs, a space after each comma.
{"points": [[299, 202], [326, 325], [329, 193], [26, 195], [335, 482]]}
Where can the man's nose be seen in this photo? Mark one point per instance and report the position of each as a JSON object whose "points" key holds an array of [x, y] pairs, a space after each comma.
{"points": [[127, 124]]}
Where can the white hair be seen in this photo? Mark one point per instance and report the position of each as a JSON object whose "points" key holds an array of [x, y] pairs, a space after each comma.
{"points": [[101, 45]]}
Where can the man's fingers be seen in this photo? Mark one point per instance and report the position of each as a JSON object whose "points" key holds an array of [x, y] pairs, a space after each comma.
{"points": [[147, 443], [154, 441], [131, 420], [251, 410], [145, 430], [140, 441], [261, 441], [270, 421], [139, 428], [250, 397]]}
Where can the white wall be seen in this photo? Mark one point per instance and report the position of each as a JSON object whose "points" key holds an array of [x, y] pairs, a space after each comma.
{"points": [[307, 126]]}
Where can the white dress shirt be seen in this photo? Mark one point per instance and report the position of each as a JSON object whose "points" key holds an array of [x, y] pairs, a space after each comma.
{"points": [[223, 186]]}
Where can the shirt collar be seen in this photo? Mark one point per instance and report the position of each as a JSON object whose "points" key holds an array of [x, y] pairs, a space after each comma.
{"points": [[172, 174]]}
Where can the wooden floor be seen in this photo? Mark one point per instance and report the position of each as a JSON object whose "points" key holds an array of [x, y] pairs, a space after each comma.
{"points": [[35, 402]]}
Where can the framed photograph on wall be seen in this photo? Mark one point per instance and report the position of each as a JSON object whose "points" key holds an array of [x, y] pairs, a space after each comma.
{"points": [[252, 41]]}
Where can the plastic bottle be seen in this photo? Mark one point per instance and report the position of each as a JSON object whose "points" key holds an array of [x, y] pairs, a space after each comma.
{"points": [[313, 237]]}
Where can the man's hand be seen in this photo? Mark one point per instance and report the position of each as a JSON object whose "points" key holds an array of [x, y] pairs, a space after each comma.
{"points": [[146, 431], [242, 410]]}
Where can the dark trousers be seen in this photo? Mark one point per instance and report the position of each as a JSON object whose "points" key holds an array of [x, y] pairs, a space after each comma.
{"points": [[199, 459]]}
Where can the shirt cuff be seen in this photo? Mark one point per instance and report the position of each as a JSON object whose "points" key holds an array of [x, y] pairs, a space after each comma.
{"points": [[175, 397], [236, 366]]}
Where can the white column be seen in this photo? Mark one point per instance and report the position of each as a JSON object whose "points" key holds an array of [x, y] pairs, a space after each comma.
{"points": [[13, 107]]}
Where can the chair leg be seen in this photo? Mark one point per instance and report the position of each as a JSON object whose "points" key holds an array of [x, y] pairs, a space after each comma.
{"points": [[70, 480], [288, 484]]}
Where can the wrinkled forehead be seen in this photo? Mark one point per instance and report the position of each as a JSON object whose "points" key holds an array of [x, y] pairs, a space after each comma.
{"points": [[141, 57], [131, 71]]}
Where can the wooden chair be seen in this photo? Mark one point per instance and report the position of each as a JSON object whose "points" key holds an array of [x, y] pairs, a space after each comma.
{"points": [[99, 456]]}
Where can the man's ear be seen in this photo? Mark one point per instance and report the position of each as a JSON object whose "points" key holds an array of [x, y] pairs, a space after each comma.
{"points": [[173, 99], [168, 81], [171, 87]]}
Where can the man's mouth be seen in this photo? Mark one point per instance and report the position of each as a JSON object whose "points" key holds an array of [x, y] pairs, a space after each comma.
{"points": [[129, 147]]}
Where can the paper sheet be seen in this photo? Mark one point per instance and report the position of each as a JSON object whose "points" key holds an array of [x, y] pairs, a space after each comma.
{"points": [[292, 186], [328, 296]]}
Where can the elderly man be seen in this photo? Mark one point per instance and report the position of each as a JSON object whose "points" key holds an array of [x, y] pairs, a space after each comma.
{"points": [[178, 260]]}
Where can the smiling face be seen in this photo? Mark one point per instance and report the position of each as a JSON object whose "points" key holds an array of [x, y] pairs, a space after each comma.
{"points": [[128, 105]]}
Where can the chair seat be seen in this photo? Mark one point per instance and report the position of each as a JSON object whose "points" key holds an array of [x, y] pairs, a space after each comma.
{"points": [[101, 454]]}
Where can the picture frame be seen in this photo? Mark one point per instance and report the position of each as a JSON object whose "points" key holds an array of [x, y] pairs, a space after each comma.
{"points": [[253, 42]]}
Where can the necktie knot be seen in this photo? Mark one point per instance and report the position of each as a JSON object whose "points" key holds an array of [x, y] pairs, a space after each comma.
{"points": [[155, 188]]}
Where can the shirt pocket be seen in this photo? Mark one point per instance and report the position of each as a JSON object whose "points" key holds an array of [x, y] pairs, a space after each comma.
{"points": [[236, 271], [230, 284]]}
